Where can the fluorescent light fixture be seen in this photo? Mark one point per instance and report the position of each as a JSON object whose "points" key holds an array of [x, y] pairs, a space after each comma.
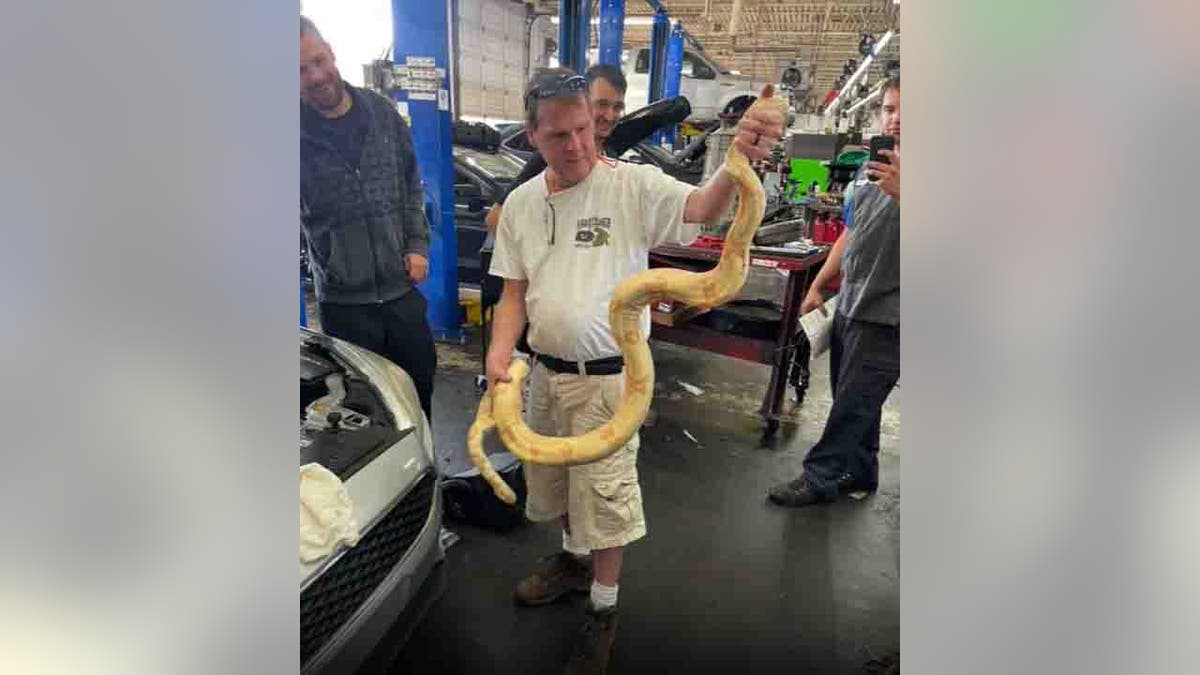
{"points": [[850, 83], [629, 21], [869, 97], [882, 43], [862, 68]]}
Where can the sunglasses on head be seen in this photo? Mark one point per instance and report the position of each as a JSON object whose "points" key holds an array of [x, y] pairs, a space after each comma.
{"points": [[554, 85]]}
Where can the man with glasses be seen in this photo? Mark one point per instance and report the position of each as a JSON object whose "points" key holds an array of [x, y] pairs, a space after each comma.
{"points": [[606, 92], [564, 242]]}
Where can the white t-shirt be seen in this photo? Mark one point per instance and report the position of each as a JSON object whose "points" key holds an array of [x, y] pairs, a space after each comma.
{"points": [[575, 246]]}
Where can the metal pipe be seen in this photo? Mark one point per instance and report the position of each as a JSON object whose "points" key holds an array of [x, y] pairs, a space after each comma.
{"points": [[735, 17]]}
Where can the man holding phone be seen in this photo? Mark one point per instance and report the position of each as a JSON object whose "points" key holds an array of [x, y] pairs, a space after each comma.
{"points": [[865, 351]]}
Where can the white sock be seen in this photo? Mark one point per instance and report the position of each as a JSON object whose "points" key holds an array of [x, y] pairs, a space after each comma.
{"points": [[570, 546], [603, 597]]}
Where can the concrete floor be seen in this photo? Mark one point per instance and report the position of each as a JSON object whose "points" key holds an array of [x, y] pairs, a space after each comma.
{"points": [[724, 582]]}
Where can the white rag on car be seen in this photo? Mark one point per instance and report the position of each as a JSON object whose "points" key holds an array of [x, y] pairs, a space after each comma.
{"points": [[326, 513]]}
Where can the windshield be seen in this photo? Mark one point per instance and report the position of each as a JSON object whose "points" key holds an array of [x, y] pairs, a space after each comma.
{"points": [[703, 59], [497, 166]]}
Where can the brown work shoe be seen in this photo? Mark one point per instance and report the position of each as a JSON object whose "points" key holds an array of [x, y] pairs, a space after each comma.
{"points": [[593, 643], [558, 575]]}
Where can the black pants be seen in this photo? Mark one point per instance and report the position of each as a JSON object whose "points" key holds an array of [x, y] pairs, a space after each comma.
{"points": [[396, 330], [864, 367]]}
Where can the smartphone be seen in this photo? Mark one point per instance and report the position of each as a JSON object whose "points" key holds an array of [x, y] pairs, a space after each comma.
{"points": [[881, 143]]}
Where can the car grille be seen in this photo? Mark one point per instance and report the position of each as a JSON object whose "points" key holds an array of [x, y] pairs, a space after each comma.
{"points": [[331, 599]]}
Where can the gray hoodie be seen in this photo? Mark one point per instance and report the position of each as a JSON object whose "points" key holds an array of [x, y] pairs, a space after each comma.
{"points": [[360, 223]]}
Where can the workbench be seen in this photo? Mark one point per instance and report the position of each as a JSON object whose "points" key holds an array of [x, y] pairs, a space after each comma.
{"points": [[676, 326]]}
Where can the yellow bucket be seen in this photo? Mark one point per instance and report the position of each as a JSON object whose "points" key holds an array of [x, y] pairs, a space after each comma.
{"points": [[472, 306]]}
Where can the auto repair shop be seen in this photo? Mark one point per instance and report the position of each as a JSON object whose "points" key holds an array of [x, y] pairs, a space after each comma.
{"points": [[411, 560]]}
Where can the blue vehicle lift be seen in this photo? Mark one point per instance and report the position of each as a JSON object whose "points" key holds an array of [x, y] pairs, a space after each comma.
{"points": [[574, 32], [612, 31], [666, 63], [659, 31], [421, 39], [672, 72]]}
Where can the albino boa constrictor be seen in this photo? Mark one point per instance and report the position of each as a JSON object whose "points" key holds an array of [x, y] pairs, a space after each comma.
{"points": [[701, 290]]}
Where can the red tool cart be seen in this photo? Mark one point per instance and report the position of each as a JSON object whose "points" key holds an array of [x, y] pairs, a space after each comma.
{"points": [[788, 348]]}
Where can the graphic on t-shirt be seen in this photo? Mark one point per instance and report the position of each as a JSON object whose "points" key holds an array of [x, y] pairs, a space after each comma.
{"points": [[592, 232]]}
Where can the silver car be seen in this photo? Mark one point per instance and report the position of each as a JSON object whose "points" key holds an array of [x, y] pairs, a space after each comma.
{"points": [[361, 419]]}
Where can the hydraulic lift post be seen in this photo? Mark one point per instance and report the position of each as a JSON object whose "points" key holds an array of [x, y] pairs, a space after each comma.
{"points": [[574, 33], [659, 33], [673, 72], [612, 31], [421, 40]]}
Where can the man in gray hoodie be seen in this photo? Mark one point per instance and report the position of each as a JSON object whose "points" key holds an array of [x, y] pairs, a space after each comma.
{"points": [[362, 213]]}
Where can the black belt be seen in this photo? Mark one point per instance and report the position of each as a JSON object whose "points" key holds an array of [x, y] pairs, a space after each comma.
{"points": [[609, 366]]}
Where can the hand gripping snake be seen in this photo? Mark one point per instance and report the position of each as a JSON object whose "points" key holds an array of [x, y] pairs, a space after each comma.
{"points": [[701, 290]]}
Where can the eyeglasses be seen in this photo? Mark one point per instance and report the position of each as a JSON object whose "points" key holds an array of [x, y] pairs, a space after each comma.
{"points": [[555, 85]]}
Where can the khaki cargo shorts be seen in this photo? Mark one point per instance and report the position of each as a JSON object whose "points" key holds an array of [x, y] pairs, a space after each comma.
{"points": [[602, 499]]}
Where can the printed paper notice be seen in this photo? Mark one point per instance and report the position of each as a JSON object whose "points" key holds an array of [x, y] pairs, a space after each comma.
{"points": [[817, 326]]}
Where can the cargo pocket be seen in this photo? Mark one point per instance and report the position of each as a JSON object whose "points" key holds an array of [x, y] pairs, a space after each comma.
{"points": [[610, 394], [614, 513]]}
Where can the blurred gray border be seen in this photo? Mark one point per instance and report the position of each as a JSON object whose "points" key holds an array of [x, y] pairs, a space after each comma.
{"points": [[150, 300]]}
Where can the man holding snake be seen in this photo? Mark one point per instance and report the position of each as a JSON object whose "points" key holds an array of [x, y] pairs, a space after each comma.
{"points": [[564, 241]]}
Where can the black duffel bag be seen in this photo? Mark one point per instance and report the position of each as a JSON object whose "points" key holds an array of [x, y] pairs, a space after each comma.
{"points": [[467, 498]]}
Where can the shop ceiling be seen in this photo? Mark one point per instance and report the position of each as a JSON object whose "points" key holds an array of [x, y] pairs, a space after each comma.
{"points": [[770, 31]]}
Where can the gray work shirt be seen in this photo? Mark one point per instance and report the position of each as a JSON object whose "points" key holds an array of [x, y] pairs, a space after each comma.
{"points": [[870, 288]]}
